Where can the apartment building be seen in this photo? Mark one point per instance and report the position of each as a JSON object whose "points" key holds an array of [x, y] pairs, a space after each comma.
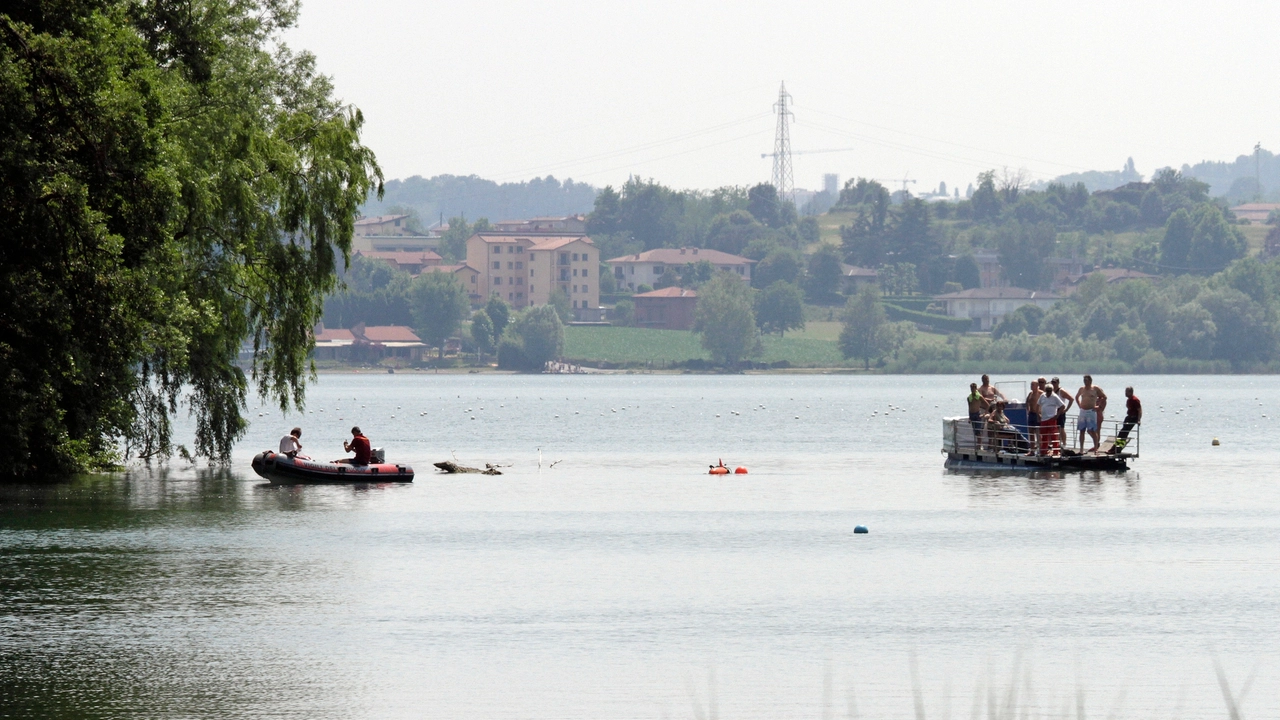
{"points": [[646, 268], [524, 269]]}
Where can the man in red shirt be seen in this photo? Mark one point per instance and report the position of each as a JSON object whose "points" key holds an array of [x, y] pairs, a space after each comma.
{"points": [[360, 446], [1132, 416]]}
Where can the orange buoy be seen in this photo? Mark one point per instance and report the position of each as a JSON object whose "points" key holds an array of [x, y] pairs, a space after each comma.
{"points": [[720, 470], [740, 470]]}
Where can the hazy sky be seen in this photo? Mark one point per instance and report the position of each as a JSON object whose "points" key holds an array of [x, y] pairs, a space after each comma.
{"points": [[683, 91]]}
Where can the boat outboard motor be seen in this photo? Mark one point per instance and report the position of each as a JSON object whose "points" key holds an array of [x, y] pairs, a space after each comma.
{"points": [[378, 455]]}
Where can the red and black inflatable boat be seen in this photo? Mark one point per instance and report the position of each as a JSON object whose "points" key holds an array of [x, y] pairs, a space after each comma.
{"points": [[278, 468]]}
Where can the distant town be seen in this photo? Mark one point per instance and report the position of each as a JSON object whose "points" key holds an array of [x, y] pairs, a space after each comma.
{"points": [[954, 276]]}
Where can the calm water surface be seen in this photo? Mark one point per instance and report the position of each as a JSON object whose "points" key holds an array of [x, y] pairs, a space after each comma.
{"points": [[618, 580]]}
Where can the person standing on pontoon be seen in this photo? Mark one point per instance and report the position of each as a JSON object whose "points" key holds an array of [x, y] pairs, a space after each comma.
{"points": [[990, 392], [977, 405], [1050, 403], [1033, 417], [1062, 413], [1091, 399]]}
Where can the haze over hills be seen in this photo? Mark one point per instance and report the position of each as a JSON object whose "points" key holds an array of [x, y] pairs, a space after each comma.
{"points": [[472, 197]]}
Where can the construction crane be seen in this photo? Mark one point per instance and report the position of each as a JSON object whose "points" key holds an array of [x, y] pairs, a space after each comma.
{"points": [[904, 180]]}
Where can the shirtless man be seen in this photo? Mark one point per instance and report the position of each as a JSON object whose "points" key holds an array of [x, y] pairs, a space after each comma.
{"points": [[1033, 417], [1090, 398], [990, 392]]}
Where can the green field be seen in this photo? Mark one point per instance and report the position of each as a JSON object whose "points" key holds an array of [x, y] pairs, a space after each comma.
{"points": [[624, 345]]}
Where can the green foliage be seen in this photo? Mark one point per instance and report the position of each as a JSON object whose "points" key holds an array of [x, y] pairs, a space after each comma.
{"points": [[967, 272], [899, 279], [866, 241], [439, 304], [453, 244], [173, 187], [822, 284], [782, 264], [634, 346], [559, 301], [499, 312], [644, 215], [541, 335], [734, 232], [863, 320], [725, 318], [1025, 319], [511, 354], [690, 275], [1023, 250], [764, 205], [374, 293], [624, 313], [467, 196], [608, 285], [779, 308], [985, 202], [943, 323], [1215, 244], [482, 332]]}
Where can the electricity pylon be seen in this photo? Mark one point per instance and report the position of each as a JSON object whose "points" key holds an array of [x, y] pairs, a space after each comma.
{"points": [[783, 175]]}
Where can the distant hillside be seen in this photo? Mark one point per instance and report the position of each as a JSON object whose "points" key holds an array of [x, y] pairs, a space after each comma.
{"points": [[1096, 180], [1236, 180], [474, 197]]}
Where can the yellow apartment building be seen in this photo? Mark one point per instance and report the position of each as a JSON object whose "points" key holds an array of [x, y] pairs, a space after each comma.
{"points": [[524, 269]]}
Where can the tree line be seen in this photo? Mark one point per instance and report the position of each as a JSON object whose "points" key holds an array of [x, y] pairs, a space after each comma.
{"points": [[436, 305], [925, 246], [1228, 321], [179, 188]]}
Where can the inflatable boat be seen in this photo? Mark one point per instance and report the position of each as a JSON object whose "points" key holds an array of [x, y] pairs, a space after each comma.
{"points": [[279, 468]]}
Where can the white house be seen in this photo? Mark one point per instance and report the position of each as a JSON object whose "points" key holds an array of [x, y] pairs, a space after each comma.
{"points": [[646, 268], [988, 306]]}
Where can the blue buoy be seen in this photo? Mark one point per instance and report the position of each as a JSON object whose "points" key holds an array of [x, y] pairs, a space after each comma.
{"points": [[861, 530]]}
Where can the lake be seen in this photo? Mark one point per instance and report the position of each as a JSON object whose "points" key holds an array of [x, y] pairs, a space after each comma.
{"points": [[617, 579]]}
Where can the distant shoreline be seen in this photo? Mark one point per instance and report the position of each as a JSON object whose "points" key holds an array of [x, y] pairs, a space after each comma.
{"points": [[977, 369]]}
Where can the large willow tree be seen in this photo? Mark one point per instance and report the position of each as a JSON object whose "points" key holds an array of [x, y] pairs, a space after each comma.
{"points": [[176, 185]]}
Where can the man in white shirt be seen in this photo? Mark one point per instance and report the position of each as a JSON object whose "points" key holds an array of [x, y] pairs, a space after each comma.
{"points": [[291, 445], [1049, 405]]}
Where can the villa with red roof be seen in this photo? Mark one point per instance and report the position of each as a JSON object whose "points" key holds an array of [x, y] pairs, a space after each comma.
{"points": [[376, 341], [646, 268]]}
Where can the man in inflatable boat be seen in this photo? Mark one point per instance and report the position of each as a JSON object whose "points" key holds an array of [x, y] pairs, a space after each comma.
{"points": [[360, 446]]}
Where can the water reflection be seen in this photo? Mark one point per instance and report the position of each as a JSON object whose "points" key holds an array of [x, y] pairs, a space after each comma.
{"points": [[1086, 485]]}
